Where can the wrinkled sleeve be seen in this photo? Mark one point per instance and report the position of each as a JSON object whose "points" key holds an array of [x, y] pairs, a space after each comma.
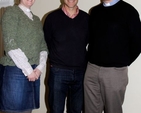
{"points": [[21, 61], [42, 61]]}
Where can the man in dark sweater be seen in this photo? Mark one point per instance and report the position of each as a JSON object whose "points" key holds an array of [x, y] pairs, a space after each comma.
{"points": [[115, 43], [66, 33]]}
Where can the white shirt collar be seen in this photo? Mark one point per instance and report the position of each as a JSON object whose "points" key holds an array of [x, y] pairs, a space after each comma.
{"points": [[110, 3], [24, 8]]}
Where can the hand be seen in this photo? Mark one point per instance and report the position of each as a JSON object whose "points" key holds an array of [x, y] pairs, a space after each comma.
{"points": [[37, 72], [32, 76]]}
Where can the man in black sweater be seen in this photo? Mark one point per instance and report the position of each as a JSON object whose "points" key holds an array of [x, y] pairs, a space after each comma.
{"points": [[66, 34], [115, 43]]}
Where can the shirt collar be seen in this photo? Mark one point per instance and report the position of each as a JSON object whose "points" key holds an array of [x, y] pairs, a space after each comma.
{"points": [[24, 8], [110, 3], [67, 13]]}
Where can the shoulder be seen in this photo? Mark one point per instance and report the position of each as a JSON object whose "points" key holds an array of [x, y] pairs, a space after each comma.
{"points": [[11, 9], [127, 5], [11, 13], [83, 12], [83, 15], [52, 15], [128, 8], [96, 6], [55, 12]]}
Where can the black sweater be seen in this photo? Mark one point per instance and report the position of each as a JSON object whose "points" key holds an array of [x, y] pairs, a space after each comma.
{"points": [[115, 35], [67, 39]]}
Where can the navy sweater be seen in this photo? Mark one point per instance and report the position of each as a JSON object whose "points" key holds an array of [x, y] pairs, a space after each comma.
{"points": [[67, 39], [115, 35]]}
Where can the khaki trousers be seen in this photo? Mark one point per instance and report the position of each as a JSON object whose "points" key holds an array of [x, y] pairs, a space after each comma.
{"points": [[104, 88]]}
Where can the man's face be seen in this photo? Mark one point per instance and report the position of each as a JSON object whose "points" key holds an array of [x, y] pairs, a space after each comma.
{"points": [[106, 1], [27, 3], [71, 3]]}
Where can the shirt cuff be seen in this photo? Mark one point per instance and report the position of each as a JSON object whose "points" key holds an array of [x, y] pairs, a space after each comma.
{"points": [[21, 61], [43, 59]]}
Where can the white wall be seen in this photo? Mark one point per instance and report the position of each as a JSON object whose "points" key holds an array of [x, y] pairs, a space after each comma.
{"points": [[132, 101], [5, 3]]}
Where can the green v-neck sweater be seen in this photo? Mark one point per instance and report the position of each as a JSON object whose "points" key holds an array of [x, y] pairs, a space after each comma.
{"points": [[21, 32]]}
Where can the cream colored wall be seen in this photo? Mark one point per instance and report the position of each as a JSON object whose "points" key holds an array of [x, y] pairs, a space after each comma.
{"points": [[132, 101]]}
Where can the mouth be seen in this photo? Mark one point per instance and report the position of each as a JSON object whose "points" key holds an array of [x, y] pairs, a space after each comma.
{"points": [[71, 1]]}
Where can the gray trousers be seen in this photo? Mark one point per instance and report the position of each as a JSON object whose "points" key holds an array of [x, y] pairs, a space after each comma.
{"points": [[104, 88]]}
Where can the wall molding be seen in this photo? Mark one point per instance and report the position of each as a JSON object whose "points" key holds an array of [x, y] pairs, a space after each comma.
{"points": [[5, 3]]}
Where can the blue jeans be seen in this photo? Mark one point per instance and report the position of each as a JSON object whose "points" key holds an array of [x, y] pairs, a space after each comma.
{"points": [[1, 81], [66, 83]]}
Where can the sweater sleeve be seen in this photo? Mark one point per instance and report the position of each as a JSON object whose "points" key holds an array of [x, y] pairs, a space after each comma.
{"points": [[47, 31], [43, 55], [134, 25], [9, 29]]}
